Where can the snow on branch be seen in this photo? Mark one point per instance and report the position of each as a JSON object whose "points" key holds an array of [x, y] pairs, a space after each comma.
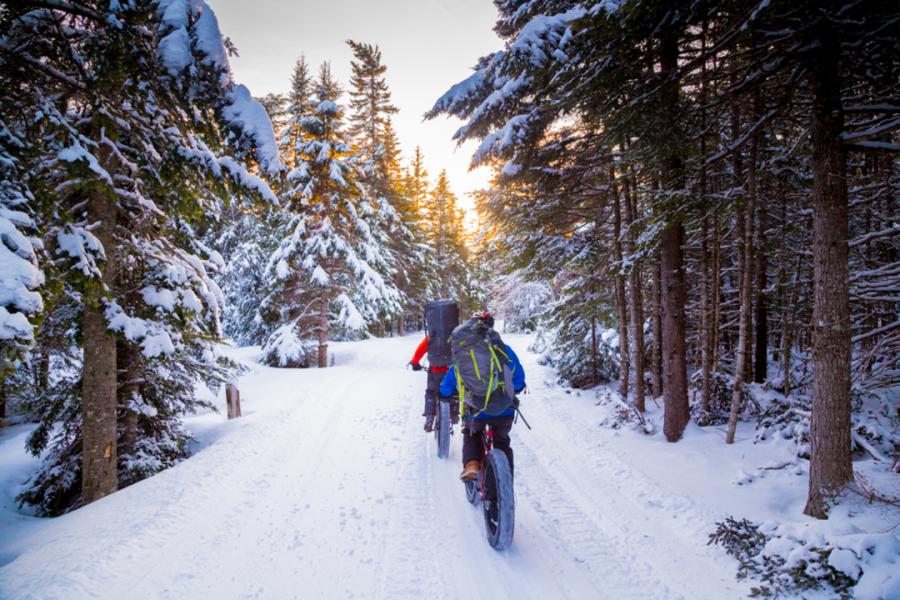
{"points": [[248, 117]]}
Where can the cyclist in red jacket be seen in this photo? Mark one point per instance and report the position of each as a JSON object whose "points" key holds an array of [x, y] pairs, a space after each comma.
{"points": [[435, 375]]}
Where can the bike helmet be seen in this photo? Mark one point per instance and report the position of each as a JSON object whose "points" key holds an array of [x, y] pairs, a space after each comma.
{"points": [[484, 317]]}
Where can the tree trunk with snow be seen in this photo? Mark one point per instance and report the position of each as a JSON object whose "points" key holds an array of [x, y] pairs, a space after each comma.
{"points": [[99, 457], [830, 467]]}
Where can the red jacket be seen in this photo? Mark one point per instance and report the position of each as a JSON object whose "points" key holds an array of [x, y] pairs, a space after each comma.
{"points": [[420, 352]]}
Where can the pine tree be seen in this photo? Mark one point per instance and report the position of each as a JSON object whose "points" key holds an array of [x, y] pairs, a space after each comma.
{"points": [[20, 277], [370, 101], [448, 238], [328, 254], [297, 108], [138, 135], [378, 150]]}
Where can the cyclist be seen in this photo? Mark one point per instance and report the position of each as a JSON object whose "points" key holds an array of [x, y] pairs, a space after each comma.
{"points": [[475, 421], [435, 374]]}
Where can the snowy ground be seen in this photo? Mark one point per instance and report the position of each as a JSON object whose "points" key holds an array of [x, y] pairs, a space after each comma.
{"points": [[328, 488]]}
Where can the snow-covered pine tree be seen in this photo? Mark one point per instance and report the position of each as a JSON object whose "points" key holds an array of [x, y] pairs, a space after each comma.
{"points": [[298, 107], [370, 103], [377, 147], [422, 275], [328, 255], [444, 220], [20, 277], [141, 133]]}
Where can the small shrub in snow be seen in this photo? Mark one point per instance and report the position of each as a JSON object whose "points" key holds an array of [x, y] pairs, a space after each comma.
{"points": [[566, 345], [621, 414], [875, 426], [785, 565], [788, 420], [720, 391], [285, 348]]}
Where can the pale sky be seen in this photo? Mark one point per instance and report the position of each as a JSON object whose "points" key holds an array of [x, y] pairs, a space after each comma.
{"points": [[427, 45]]}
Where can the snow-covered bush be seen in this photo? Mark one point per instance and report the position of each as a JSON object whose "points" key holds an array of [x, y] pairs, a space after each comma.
{"points": [[620, 413], [791, 559], [875, 425], [566, 345], [286, 347], [720, 393]]}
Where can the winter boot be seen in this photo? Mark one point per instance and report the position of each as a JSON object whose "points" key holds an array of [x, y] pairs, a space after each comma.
{"points": [[470, 473], [429, 423]]}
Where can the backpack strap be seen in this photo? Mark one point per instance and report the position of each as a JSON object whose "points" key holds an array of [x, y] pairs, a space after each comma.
{"points": [[461, 389]]}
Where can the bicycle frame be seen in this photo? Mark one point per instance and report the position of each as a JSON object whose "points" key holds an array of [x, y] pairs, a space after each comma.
{"points": [[487, 439]]}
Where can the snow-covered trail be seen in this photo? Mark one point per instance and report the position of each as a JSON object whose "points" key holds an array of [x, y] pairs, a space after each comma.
{"points": [[328, 488]]}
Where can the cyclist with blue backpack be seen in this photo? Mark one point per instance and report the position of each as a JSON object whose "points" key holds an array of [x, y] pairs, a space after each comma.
{"points": [[488, 375]]}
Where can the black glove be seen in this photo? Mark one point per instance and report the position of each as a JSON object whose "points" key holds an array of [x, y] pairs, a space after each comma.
{"points": [[416, 366]]}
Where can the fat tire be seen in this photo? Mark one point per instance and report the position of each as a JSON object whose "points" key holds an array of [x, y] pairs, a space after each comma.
{"points": [[442, 431], [500, 504]]}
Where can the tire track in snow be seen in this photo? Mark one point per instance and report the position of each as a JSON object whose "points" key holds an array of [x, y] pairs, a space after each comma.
{"points": [[414, 570]]}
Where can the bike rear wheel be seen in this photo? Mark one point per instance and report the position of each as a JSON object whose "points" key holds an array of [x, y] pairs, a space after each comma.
{"points": [[499, 503], [442, 431]]}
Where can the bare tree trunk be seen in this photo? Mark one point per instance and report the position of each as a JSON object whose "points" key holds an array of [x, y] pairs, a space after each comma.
{"points": [[656, 325], [99, 461], [636, 304], [621, 309], [401, 326], [745, 272], [716, 291], [705, 317], [323, 331], [761, 359], [594, 380], [830, 467], [760, 362], [787, 330], [705, 304], [677, 410]]}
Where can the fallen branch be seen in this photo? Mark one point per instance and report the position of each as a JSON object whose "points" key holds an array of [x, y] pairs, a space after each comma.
{"points": [[865, 445], [864, 488]]}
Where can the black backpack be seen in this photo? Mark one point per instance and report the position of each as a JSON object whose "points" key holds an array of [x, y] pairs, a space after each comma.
{"points": [[441, 318]]}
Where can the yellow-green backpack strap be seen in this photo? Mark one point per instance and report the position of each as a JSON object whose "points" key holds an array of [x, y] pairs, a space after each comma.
{"points": [[460, 390]]}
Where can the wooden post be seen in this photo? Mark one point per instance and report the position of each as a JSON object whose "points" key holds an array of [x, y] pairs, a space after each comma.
{"points": [[233, 400]]}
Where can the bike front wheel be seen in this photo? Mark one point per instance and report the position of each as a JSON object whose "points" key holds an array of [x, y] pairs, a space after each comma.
{"points": [[499, 501], [442, 431]]}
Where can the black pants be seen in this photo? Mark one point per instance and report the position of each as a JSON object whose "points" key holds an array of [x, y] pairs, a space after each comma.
{"points": [[473, 449], [431, 396]]}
